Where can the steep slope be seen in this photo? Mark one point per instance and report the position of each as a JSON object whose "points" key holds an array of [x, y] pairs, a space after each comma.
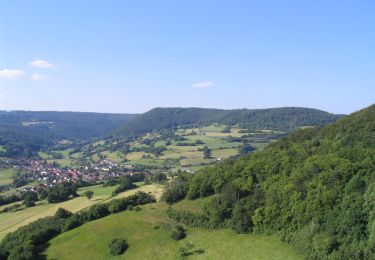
{"points": [[315, 189], [24, 132], [285, 119]]}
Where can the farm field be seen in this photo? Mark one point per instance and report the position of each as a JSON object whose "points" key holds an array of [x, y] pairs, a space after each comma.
{"points": [[6, 176], [149, 241], [185, 153], [10, 221]]}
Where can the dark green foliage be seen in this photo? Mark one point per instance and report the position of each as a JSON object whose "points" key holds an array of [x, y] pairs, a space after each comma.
{"points": [[20, 180], [117, 246], [61, 192], [24, 133], [22, 243], [125, 183], [315, 188], [198, 142], [284, 119], [95, 212], [29, 198], [72, 222], [117, 206], [178, 232], [188, 218], [89, 194], [139, 198], [158, 177], [136, 177], [175, 190], [246, 148], [240, 221], [206, 152], [25, 241], [218, 210], [226, 129], [63, 213], [9, 199], [11, 208]]}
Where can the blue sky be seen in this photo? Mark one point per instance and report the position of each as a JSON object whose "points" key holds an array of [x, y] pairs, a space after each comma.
{"points": [[131, 56]]}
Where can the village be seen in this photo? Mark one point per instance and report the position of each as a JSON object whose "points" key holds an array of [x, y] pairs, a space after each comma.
{"points": [[44, 174]]}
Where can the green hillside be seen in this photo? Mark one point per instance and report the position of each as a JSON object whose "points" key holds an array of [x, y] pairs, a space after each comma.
{"points": [[284, 119], [314, 189], [23, 133], [149, 238]]}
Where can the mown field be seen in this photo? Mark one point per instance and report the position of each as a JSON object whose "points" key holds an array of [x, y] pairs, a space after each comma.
{"points": [[11, 221], [6, 176], [148, 238]]}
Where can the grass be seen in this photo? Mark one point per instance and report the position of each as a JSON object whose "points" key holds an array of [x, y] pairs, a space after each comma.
{"points": [[137, 155], [62, 162], [11, 221], [114, 156], [179, 156], [196, 161], [224, 153], [6, 176], [146, 241]]}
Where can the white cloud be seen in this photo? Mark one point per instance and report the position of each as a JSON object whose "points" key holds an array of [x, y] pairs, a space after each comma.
{"points": [[38, 76], [2, 96], [11, 73], [41, 64], [205, 84]]}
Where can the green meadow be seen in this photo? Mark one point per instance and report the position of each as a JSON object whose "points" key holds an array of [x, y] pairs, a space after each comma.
{"points": [[149, 238], [10, 221], [6, 176]]}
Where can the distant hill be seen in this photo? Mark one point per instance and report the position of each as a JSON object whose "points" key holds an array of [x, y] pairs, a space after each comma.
{"points": [[24, 132], [285, 119], [315, 189]]}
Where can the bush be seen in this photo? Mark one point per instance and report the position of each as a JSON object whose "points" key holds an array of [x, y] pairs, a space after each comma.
{"points": [[117, 205], [117, 246], [25, 242], [72, 222], [125, 183], [29, 198], [63, 213], [178, 232], [95, 212]]}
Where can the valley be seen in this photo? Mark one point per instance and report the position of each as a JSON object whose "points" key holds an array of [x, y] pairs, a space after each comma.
{"points": [[187, 130], [201, 179]]}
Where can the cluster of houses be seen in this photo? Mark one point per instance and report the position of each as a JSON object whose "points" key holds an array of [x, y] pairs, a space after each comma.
{"points": [[49, 174]]}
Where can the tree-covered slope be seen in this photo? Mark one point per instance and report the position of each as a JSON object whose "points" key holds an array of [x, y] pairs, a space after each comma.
{"points": [[24, 132], [284, 119], [315, 188]]}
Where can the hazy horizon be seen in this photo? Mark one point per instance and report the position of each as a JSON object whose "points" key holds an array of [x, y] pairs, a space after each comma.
{"points": [[98, 112]]}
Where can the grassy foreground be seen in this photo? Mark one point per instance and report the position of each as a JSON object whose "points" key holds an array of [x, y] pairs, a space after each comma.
{"points": [[148, 239], [11, 221]]}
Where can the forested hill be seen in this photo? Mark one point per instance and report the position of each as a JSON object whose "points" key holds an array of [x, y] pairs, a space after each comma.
{"points": [[314, 188], [22, 132], [285, 119]]}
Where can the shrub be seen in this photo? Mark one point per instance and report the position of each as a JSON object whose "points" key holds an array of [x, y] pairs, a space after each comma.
{"points": [[63, 213], [178, 232], [71, 223], [117, 246], [117, 205]]}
